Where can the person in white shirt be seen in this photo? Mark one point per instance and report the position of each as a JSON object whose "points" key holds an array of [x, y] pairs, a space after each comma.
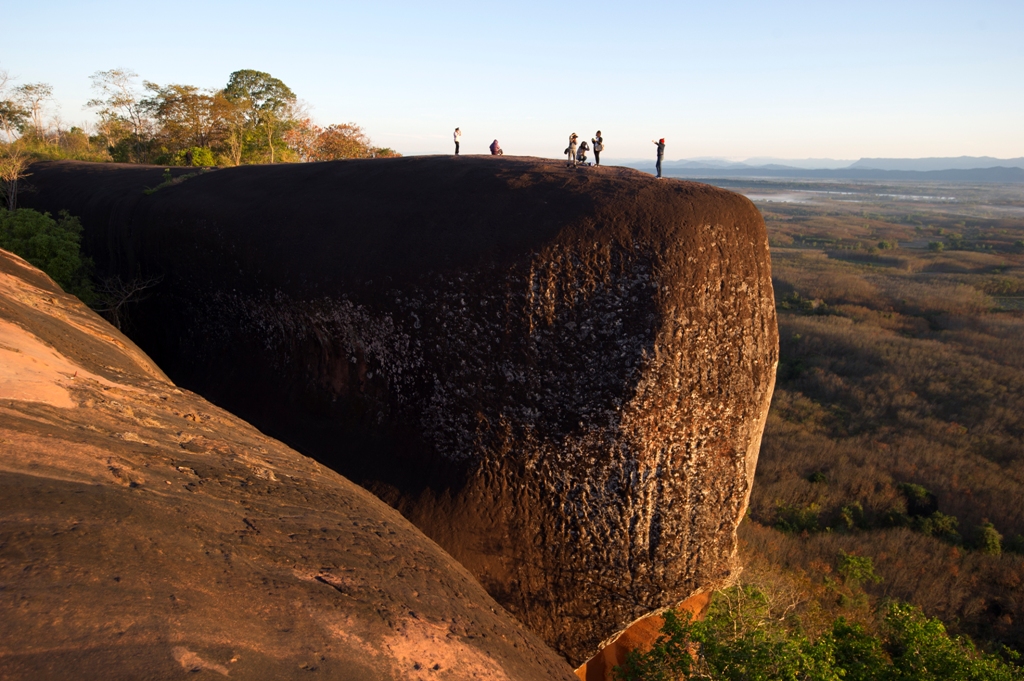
{"points": [[598, 147], [458, 136]]}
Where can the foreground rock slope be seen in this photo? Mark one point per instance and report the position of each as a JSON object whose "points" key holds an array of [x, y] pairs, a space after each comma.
{"points": [[146, 534], [560, 375]]}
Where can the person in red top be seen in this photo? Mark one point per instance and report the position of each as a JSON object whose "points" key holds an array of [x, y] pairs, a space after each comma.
{"points": [[661, 154], [496, 149]]}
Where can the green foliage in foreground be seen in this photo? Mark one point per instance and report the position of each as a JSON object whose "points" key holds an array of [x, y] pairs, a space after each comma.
{"points": [[54, 246], [751, 646]]}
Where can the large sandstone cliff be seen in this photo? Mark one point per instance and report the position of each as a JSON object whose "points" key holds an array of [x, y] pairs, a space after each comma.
{"points": [[147, 534], [560, 376]]}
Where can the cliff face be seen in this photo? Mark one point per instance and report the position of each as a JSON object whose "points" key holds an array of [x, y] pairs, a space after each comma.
{"points": [[145, 533], [560, 376]]}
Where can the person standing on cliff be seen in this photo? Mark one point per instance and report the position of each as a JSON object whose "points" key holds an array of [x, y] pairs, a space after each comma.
{"points": [[598, 143], [661, 154], [458, 136], [571, 150]]}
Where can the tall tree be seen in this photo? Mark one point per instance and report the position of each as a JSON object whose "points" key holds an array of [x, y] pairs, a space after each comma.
{"points": [[12, 114], [266, 101], [303, 138], [187, 116], [33, 97], [236, 131], [12, 118], [122, 113]]}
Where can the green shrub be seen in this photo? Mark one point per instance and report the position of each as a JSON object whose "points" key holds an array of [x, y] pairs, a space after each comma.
{"points": [[857, 652], [201, 157], [895, 517], [939, 525], [797, 303], [795, 519], [920, 501], [744, 644], [921, 649], [1015, 544], [857, 570], [852, 517], [669, 658], [987, 539], [54, 246]]}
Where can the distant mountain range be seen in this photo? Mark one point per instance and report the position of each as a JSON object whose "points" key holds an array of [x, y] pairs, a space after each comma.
{"points": [[927, 164], [766, 162], [952, 169]]}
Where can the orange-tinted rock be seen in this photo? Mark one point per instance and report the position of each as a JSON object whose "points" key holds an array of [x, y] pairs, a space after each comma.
{"points": [[146, 534], [640, 636], [560, 375]]}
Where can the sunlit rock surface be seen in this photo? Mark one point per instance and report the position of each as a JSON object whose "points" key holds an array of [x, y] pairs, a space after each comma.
{"points": [[146, 534], [561, 376]]}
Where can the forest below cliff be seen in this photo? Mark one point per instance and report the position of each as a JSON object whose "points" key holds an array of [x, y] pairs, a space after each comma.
{"points": [[896, 431]]}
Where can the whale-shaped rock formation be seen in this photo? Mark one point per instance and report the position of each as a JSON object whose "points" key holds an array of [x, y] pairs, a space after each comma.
{"points": [[147, 534], [560, 375]]}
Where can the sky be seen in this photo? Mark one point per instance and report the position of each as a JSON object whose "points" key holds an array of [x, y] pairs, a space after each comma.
{"points": [[720, 79]]}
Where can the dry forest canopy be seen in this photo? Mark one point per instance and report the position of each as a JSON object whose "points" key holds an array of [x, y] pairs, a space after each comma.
{"points": [[255, 118], [896, 431]]}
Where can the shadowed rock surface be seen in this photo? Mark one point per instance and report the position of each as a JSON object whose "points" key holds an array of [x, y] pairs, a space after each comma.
{"points": [[561, 376], [146, 534]]}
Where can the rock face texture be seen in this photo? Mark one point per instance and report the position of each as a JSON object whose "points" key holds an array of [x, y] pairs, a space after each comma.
{"points": [[561, 376], [146, 534]]}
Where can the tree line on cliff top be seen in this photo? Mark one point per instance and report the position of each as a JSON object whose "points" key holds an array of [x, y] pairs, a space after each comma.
{"points": [[255, 118]]}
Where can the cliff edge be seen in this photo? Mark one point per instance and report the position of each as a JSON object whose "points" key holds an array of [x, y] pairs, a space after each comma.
{"points": [[561, 376]]}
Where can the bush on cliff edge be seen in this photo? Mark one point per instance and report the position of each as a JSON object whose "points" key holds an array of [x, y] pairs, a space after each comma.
{"points": [[54, 246]]}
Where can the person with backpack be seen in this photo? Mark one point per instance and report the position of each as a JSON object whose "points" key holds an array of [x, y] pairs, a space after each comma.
{"points": [[661, 154], [496, 149], [458, 137], [598, 143], [570, 151]]}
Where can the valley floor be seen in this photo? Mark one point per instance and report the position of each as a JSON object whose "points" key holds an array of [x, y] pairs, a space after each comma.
{"points": [[897, 426]]}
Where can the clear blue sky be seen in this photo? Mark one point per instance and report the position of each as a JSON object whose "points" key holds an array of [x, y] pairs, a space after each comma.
{"points": [[730, 79]]}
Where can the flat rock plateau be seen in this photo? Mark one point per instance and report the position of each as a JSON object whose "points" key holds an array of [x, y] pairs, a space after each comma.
{"points": [[560, 375], [147, 534]]}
